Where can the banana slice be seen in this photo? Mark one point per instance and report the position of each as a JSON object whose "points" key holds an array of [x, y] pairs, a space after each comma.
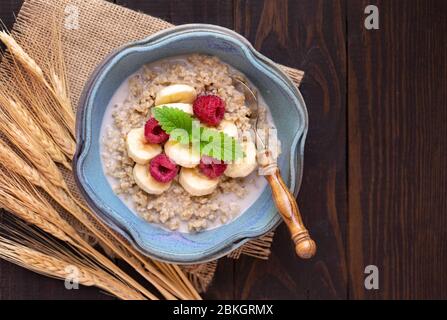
{"points": [[146, 182], [244, 166], [182, 154], [139, 149], [176, 93], [186, 107], [195, 183], [229, 128]]}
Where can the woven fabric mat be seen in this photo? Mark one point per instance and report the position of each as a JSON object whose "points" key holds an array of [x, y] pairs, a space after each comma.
{"points": [[94, 28]]}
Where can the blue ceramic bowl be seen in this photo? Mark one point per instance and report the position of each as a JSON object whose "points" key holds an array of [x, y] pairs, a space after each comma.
{"points": [[287, 108]]}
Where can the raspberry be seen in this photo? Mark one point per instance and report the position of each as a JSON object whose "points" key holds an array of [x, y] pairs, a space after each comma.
{"points": [[211, 167], [154, 133], [162, 168], [209, 109]]}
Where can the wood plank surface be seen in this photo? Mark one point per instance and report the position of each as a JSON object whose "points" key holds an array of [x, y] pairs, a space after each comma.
{"points": [[397, 132], [375, 182], [309, 35]]}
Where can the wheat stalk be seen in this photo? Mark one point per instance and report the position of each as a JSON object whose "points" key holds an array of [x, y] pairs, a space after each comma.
{"points": [[25, 236], [177, 284], [169, 280], [179, 277], [21, 198], [13, 163], [58, 93], [21, 55], [35, 98], [57, 268], [32, 150], [33, 205], [22, 194], [55, 70], [25, 120], [58, 73], [11, 204]]}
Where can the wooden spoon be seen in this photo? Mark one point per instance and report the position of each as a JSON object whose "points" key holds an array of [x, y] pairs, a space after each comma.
{"points": [[287, 206], [284, 200]]}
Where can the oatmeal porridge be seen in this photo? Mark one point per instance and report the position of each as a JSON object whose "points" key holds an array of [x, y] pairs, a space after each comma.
{"points": [[164, 179]]}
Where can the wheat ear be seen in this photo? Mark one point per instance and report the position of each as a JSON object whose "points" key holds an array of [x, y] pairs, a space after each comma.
{"points": [[13, 162], [57, 268], [57, 72], [21, 55], [60, 92], [19, 197], [35, 98], [54, 68], [25, 120], [33, 151], [153, 270], [10, 203], [33, 68], [20, 233]]}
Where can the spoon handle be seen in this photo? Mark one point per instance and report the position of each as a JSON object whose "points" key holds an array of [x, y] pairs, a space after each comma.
{"points": [[286, 204]]}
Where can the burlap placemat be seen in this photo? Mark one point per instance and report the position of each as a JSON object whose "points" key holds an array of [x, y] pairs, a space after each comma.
{"points": [[94, 28]]}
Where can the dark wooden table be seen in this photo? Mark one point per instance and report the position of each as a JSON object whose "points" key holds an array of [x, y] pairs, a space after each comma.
{"points": [[375, 181]]}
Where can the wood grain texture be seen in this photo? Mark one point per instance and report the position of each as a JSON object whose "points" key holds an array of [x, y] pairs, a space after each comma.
{"points": [[309, 35], [185, 11], [8, 11], [398, 149], [375, 181]]}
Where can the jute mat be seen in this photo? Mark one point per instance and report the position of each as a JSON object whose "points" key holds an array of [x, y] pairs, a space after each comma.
{"points": [[92, 29]]}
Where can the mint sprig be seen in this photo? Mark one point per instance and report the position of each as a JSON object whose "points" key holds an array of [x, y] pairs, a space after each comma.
{"points": [[173, 118], [208, 141]]}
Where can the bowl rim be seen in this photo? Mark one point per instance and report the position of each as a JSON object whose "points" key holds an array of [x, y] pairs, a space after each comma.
{"points": [[296, 149]]}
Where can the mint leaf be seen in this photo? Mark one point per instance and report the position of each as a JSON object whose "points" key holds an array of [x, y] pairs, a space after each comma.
{"points": [[173, 118], [211, 142], [219, 145]]}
